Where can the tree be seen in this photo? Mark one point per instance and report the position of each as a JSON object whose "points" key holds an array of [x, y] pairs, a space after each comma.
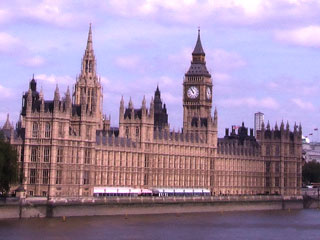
{"points": [[311, 172], [8, 165]]}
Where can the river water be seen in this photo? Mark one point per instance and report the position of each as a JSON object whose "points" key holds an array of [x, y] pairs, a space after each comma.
{"points": [[284, 225]]}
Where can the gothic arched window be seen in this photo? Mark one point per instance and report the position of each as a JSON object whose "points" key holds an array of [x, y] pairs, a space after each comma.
{"points": [[47, 131], [35, 129]]}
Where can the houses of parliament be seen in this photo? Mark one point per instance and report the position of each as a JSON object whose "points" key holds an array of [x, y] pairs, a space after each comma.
{"points": [[67, 148]]}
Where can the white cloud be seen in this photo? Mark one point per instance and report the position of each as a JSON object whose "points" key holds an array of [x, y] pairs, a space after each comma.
{"points": [[129, 62], [305, 105], [234, 12], [170, 98], [305, 36], [268, 102], [9, 43], [53, 79], [166, 81], [224, 61], [5, 92], [221, 78], [35, 61], [5, 16]]}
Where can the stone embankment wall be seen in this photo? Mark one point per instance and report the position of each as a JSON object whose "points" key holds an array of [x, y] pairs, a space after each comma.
{"points": [[143, 205]]}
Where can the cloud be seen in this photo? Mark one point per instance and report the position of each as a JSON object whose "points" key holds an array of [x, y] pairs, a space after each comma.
{"points": [[61, 13], [305, 36], [70, 13], [225, 61], [229, 12], [35, 61], [53, 79], [267, 102], [9, 43], [297, 87], [5, 92], [302, 104], [5, 16], [170, 98], [129, 62]]}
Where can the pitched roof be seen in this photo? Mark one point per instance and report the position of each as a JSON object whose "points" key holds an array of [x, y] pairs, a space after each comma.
{"points": [[198, 50]]}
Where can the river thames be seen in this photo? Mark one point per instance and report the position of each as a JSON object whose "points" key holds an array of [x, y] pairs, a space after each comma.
{"points": [[301, 224]]}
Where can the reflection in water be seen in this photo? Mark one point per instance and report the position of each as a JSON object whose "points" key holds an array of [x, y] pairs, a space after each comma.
{"points": [[304, 224]]}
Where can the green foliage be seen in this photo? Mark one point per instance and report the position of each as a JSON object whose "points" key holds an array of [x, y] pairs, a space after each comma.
{"points": [[8, 165], [311, 172]]}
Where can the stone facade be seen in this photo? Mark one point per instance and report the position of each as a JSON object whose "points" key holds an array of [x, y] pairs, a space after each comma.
{"points": [[67, 147]]}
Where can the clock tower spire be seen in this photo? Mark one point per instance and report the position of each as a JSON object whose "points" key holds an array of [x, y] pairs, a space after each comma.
{"points": [[197, 92]]}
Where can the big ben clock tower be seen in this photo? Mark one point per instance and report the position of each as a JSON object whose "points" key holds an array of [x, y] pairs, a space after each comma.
{"points": [[197, 92]]}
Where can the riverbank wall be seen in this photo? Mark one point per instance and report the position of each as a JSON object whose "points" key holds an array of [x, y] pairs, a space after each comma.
{"points": [[61, 207]]}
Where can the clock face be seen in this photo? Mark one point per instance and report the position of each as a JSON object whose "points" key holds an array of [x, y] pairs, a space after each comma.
{"points": [[193, 92], [208, 93]]}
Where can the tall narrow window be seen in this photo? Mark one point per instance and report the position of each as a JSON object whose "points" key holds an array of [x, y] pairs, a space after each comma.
{"points": [[59, 177], [145, 179], [60, 155], [268, 150], [46, 154], [86, 177], [90, 66], [47, 131], [268, 166], [127, 132], [33, 173], [277, 153], [60, 130], [88, 135], [87, 66], [277, 182], [137, 131], [35, 129], [291, 149], [268, 183], [34, 154], [277, 167], [45, 176], [87, 156]]}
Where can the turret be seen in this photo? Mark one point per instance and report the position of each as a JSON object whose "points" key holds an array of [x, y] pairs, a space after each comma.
{"points": [[121, 112], [7, 125], [215, 118], [143, 107], [151, 107], [68, 99], [287, 127], [130, 104], [94, 103], [56, 99], [282, 126], [300, 129], [41, 94], [83, 104], [29, 101]]}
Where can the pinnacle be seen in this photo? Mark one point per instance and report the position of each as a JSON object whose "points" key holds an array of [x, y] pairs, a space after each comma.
{"points": [[7, 124], [198, 50], [89, 42]]}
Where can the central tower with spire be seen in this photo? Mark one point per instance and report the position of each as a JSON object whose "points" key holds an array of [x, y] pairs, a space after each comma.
{"points": [[88, 88], [197, 93]]}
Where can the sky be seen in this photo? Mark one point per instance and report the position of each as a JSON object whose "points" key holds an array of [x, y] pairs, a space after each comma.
{"points": [[263, 55]]}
